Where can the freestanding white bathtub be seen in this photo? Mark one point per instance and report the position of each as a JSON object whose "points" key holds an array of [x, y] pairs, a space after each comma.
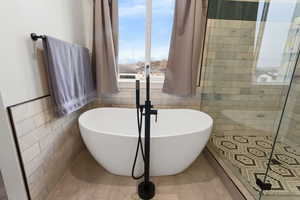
{"points": [[177, 139]]}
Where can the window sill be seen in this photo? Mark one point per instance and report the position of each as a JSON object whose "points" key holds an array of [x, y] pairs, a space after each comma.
{"points": [[130, 84]]}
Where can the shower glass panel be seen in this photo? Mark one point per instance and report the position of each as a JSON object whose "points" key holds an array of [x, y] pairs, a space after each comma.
{"points": [[284, 165], [250, 53]]}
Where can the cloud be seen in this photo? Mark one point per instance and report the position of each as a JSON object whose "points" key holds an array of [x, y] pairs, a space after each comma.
{"points": [[160, 52], [138, 8], [163, 7], [131, 55], [134, 50], [135, 10]]}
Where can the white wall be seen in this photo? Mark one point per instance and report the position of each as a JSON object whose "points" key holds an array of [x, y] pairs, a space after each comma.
{"points": [[22, 75], [9, 163]]}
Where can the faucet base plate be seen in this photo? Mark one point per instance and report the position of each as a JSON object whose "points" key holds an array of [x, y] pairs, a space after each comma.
{"points": [[146, 190]]}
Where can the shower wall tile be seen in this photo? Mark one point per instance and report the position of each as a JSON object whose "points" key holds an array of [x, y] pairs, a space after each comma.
{"points": [[290, 128], [48, 144], [230, 94], [25, 126], [27, 141], [31, 152]]}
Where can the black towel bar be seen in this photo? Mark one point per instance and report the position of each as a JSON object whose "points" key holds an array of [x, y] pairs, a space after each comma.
{"points": [[35, 37]]}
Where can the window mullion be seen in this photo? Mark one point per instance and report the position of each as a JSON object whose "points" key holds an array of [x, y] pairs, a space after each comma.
{"points": [[148, 32]]}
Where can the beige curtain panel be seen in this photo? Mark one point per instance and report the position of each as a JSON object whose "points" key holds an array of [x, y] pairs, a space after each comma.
{"points": [[105, 45], [186, 47]]}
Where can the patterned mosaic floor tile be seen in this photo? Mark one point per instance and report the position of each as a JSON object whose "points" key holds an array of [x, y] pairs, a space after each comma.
{"points": [[250, 154]]}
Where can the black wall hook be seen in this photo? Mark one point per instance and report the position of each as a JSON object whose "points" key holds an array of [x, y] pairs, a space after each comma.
{"points": [[35, 37]]}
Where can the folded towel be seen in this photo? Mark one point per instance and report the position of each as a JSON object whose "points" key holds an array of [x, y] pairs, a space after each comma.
{"points": [[70, 75]]}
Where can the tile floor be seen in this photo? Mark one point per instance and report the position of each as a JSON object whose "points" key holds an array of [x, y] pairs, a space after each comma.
{"points": [[249, 155], [2, 189], [86, 180]]}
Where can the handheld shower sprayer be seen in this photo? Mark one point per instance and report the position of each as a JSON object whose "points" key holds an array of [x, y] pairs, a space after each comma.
{"points": [[139, 114], [137, 94]]}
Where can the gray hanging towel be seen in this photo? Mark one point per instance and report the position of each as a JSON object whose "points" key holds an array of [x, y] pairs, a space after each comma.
{"points": [[70, 75]]}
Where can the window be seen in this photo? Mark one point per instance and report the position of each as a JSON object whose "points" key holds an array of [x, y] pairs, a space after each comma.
{"points": [[132, 18], [277, 41], [132, 39]]}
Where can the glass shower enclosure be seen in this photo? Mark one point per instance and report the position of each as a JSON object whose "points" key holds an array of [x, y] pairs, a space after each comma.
{"points": [[250, 85]]}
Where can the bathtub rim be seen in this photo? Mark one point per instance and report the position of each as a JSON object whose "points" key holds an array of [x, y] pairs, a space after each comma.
{"points": [[135, 136]]}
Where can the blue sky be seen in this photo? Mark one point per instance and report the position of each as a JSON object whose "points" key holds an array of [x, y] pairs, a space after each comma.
{"points": [[132, 29]]}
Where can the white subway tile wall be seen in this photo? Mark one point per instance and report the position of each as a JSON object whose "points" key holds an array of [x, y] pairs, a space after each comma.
{"points": [[48, 144]]}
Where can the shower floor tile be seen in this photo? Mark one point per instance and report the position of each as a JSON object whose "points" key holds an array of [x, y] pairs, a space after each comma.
{"points": [[86, 180], [249, 156]]}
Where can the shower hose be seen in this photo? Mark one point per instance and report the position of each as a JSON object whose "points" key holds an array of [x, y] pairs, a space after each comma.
{"points": [[139, 143]]}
